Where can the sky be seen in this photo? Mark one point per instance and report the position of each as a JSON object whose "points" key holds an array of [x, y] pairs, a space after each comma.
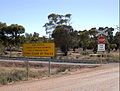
{"points": [[86, 14]]}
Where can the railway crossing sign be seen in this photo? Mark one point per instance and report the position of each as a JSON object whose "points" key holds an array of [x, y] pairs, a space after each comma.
{"points": [[104, 32], [101, 39]]}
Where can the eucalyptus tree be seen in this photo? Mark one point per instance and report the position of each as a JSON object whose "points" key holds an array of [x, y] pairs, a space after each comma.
{"points": [[55, 20], [28, 37], [60, 28], [62, 37], [2, 29], [83, 37], [110, 34], [33, 38], [3, 38], [10, 35], [92, 43], [13, 33], [117, 40], [74, 43]]}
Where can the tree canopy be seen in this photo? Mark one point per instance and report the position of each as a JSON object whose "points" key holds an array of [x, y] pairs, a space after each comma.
{"points": [[61, 32]]}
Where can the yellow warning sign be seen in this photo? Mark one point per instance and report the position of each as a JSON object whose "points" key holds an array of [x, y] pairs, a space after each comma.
{"points": [[39, 49]]}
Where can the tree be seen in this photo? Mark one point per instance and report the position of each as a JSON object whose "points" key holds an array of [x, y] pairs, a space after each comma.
{"points": [[117, 40], [3, 38], [110, 35], [2, 29], [35, 37], [74, 43], [55, 20], [28, 38], [92, 44], [14, 30], [83, 37], [13, 33], [109, 38], [62, 37], [10, 35], [60, 27]]}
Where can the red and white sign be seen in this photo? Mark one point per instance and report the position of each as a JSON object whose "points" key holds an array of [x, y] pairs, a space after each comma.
{"points": [[101, 47], [101, 40]]}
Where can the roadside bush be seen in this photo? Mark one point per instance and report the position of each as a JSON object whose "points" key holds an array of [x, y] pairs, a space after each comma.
{"points": [[12, 76], [20, 75], [84, 53], [17, 75], [33, 74], [61, 69], [3, 77]]}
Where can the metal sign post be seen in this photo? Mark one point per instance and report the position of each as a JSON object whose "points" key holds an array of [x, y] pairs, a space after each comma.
{"points": [[27, 68], [101, 47], [49, 66], [49, 71], [101, 59], [101, 42]]}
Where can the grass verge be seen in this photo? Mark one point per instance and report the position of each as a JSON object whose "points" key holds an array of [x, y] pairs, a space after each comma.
{"points": [[16, 75]]}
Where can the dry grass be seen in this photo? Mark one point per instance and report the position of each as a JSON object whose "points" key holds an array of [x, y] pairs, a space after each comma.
{"points": [[79, 55]]}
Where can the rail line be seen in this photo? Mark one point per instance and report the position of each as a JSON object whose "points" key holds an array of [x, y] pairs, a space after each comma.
{"points": [[52, 60]]}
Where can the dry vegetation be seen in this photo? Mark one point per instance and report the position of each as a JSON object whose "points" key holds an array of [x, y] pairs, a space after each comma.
{"points": [[89, 55], [11, 72]]}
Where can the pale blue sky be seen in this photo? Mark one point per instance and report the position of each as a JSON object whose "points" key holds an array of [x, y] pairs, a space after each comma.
{"points": [[86, 14]]}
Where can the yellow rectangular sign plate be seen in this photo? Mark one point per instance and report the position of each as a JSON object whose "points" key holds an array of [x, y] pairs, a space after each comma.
{"points": [[39, 49]]}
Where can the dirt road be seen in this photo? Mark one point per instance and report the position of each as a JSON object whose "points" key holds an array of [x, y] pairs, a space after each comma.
{"points": [[105, 78]]}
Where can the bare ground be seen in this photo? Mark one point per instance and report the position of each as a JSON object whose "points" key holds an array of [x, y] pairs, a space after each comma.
{"points": [[103, 78]]}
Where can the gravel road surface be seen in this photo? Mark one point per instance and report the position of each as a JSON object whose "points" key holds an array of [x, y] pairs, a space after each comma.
{"points": [[104, 78]]}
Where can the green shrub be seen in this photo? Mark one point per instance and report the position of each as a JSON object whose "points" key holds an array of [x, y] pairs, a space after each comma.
{"points": [[84, 53], [3, 77], [33, 74], [17, 75], [61, 69]]}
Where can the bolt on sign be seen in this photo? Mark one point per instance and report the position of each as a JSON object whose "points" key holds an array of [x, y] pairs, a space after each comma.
{"points": [[39, 49], [101, 47]]}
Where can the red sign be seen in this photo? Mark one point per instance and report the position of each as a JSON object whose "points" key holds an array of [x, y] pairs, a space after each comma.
{"points": [[101, 40]]}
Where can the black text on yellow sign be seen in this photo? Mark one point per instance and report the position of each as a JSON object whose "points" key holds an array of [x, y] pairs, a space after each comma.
{"points": [[39, 49]]}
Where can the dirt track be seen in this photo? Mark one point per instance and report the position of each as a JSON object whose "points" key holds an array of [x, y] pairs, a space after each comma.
{"points": [[105, 78]]}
